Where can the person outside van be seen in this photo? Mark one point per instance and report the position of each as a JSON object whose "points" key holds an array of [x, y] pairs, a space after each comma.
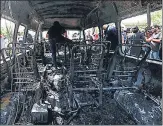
{"points": [[155, 41], [111, 34], [89, 37], [135, 38]]}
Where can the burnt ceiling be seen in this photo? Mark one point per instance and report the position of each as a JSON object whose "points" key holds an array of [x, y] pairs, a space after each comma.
{"points": [[72, 13], [63, 8], [75, 13], [68, 12]]}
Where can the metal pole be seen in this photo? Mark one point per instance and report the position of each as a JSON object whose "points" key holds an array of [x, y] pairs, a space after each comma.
{"points": [[118, 26], [148, 15], [100, 35], [83, 33]]}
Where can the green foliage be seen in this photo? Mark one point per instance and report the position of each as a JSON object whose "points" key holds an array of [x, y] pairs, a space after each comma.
{"points": [[7, 32], [156, 17]]}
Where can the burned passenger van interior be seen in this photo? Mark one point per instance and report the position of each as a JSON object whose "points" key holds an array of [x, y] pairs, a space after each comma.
{"points": [[81, 62]]}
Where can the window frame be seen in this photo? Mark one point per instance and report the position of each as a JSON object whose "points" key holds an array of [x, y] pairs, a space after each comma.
{"points": [[27, 34], [25, 31], [85, 30], [46, 38], [15, 25], [75, 30]]}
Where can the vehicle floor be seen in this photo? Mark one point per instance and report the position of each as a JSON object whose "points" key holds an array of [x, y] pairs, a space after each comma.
{"points": [[110, 113]]}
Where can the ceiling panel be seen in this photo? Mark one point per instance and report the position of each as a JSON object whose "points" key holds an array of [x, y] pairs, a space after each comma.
{"points": [[79, 10]]}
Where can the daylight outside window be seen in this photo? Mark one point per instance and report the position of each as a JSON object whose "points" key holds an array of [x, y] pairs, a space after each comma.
{"points": [[135, 31], [7, 32], [44, 35], [30, 36], [72, 34], [92, 34], [21, 32]]}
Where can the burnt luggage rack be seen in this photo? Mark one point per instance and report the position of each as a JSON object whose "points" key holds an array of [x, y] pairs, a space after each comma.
{"points": [[23, 67], [84, 69], [119, 71]]}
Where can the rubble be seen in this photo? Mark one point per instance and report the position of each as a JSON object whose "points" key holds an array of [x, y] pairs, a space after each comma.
{"points": [[122, 104], [144, 111], [11, 105], [108, 114]]}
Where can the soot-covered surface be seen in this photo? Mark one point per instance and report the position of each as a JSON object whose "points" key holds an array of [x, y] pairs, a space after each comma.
{"points": [[144, 110], [109, 113]]}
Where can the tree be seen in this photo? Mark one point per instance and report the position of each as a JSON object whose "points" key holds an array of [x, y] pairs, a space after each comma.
{"points": [[156, 17], [7, 32]]}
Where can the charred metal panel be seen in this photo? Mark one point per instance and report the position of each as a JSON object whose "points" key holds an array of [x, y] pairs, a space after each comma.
{"points": [[86, 11], [108, 13], [80, 11], [105, 13], [152, 81], [21, 12], [131, 8], [143, 110], [71, 22], [73, 11]]}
